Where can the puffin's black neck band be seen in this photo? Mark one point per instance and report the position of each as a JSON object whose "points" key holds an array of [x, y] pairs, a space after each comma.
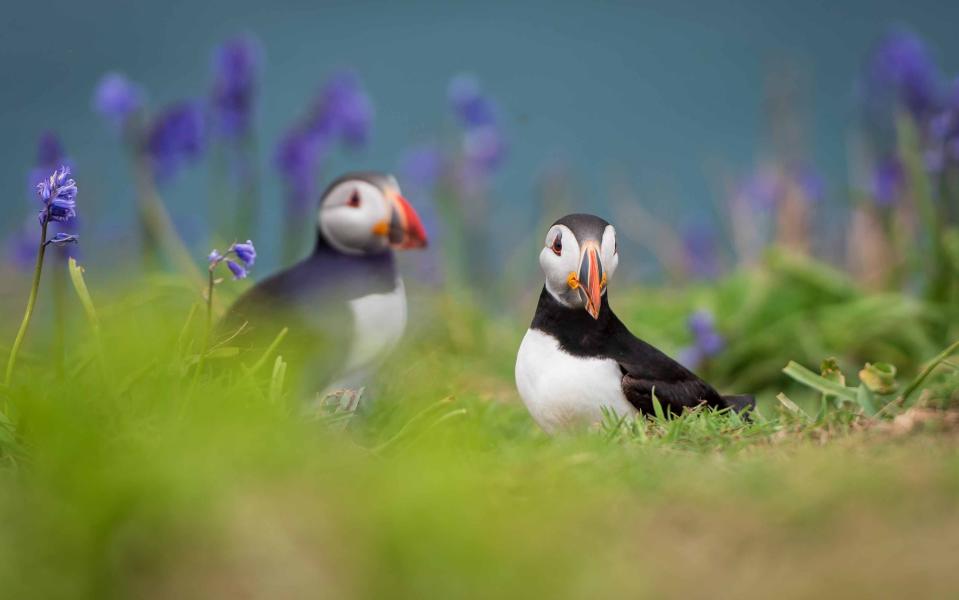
{"points": [[578, 333]]}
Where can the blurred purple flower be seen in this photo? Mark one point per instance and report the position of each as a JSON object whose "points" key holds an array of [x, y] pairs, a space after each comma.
{"points": [[58, 193], [811, 183], [900, 66], [238, 271], [700, 252], [344, 110], [236, 67], [116, 98], [761, 190], [176, 137], [297, 158], [484, 148], [707, 342], [888, 182], [471, 107], [61, 239], [245, 252], [421, 167]]}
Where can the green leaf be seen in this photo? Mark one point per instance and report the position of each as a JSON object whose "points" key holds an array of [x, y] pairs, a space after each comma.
{"points": [[76, 276], [277, 379], [657, 407], [817, 382], [865, 399]]}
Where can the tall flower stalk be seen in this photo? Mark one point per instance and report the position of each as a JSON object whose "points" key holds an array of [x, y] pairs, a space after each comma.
{"points": [[160, 148], [58, 194], [236, 70], [342, 114]]}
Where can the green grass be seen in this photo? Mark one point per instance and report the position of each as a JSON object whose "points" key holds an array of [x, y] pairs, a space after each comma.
{"points": [[130, 477]]}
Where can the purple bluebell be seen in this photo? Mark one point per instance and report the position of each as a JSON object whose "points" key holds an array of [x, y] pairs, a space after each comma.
{"points": [[888, 181], [245, 252], [297, 158], [900, 65], [58, 193], [116, 98], [421, 167], [344, 110], [236, 68], [762, 190], [50, 155], [484, 147], [700, 250], [176, 137], [238, 271], [470, 105], [707, 341], [61, 239], [811, 183]]}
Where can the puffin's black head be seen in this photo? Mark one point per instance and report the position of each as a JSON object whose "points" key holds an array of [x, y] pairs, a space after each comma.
{"points": [[364, 213], [579, 258]]}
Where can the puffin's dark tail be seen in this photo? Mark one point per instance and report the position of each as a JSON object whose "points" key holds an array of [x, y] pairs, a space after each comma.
{"points": [[740, 403]]}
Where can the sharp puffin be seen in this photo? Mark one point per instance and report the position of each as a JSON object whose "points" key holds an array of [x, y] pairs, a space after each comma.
{"points": [[344, 304], [577, 356]]}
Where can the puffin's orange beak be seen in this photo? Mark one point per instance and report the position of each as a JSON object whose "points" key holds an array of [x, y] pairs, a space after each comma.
{"points": [[592, 278], [405, 228]]}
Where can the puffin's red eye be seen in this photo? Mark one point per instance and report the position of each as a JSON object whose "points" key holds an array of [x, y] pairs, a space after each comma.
{"points": [[557, 246], [354, 200]]}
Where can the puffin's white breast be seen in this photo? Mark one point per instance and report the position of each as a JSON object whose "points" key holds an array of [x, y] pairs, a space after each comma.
{"points": [[561, 390], [378, 324]]}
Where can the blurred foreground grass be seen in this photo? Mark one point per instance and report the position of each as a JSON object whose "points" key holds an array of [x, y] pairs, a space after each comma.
{"points": [[132, 478]]}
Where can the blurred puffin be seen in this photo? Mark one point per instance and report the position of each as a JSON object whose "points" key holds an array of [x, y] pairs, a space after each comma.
{"points": [[345, 304], [577, 356]]}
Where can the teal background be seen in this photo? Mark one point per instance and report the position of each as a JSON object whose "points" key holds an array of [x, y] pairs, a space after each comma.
{"points": [[668, 94]]}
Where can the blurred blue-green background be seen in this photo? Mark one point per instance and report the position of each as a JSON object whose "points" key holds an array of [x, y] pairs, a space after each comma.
{"points": [[674, 97]]}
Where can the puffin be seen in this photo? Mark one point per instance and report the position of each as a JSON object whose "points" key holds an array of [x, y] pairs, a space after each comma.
{"points": [[344, 305], [578, 357]]}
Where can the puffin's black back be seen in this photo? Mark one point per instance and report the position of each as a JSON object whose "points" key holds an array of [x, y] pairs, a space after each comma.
{"points": [[644, 367], [311, 299]]}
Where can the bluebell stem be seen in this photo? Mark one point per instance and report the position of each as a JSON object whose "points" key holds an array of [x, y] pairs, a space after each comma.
{"points": [[58, 194]]}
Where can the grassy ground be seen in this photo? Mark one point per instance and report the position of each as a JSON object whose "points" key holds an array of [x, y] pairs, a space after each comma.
{"points": [[130, 476]]}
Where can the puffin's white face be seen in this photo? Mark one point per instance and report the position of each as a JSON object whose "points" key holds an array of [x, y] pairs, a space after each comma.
{"points": [[357, 217], [577, 271]]}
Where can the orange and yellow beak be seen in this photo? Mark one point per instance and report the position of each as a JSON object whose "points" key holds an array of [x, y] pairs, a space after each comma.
{"points": [[404, 228], [591, 279]]}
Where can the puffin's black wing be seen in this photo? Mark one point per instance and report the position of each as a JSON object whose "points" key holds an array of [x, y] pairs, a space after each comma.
{"points": [[647, 369]]}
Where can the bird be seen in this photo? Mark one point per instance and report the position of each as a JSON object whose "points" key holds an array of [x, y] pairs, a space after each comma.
{"points": [[344, 305], [578, 358]]}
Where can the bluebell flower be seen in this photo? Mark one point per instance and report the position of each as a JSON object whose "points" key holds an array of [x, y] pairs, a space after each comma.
{"points": [[245, 252], [116, 98], [236, 67], [62, 239], [762, 190], [901, 66], [344, 110], [811, 183], [238, 271], [421, 167], [888, 181], [471, 106], [700, 250], [297, 158], [707, 341], [58, 193], [176, 137]]}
